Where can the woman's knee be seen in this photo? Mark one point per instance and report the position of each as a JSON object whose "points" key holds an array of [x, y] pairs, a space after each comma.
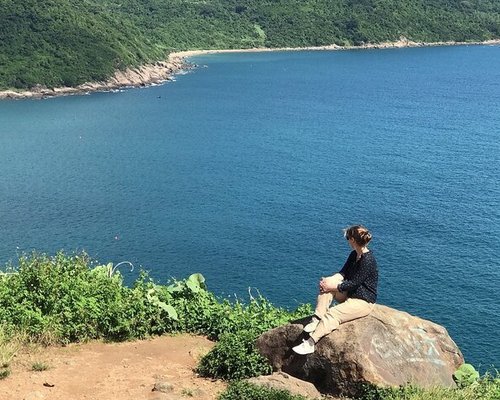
{"points": [[334, 280]]}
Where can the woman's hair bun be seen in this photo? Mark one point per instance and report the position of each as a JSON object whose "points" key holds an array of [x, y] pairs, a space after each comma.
{"points": [[359, 233]]}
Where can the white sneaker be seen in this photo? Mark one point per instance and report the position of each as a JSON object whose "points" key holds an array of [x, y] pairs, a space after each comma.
{"points": [[311, 326], [306, 347]]}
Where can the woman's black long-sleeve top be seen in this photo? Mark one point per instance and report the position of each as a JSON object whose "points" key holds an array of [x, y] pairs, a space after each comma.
{"points": [[360, 277]]}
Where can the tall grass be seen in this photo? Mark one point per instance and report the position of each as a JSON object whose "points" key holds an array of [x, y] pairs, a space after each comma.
{"points": [[10, 344]]}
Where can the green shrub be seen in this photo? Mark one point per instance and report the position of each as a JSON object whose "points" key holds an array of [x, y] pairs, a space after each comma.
{"points": [[258, 316], [237, 326], [234, 357], [64, 298], [246, 391], [466, 375]]}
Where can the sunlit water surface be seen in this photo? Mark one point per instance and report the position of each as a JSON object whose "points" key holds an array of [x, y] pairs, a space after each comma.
{"points": [[247, 169]]}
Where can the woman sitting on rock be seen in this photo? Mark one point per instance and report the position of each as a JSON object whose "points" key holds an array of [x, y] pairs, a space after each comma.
{"points": [[354, 287]]}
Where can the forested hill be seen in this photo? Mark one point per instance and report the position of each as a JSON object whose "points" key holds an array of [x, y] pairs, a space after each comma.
{"points": [[67, 42]]}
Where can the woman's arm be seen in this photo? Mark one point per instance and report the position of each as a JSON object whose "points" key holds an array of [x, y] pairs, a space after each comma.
{"points": [[349, 261], [331, 283]]}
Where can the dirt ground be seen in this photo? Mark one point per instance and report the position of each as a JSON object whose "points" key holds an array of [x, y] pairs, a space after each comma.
{"points": [[113, 371]]}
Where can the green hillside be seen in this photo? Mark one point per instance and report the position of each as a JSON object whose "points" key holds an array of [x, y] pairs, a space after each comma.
{"points": [[67, 42]]}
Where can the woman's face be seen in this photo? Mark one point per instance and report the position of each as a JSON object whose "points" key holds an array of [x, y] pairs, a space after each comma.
{"points": [[351, 242]]}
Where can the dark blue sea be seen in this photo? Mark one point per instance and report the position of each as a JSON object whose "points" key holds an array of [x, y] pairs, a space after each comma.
{"points": [[247, 168]]}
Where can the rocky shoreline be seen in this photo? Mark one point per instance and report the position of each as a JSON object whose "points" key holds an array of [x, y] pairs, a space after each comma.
{"points": [[162, 71], [145, 75]]}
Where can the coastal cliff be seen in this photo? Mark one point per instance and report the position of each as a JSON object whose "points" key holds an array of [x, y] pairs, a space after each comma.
{"points": [[66, 44], [148, 74], [162, 71]]}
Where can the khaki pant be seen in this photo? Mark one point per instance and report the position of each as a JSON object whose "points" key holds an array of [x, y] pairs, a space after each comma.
{"points": [[347, 310]]}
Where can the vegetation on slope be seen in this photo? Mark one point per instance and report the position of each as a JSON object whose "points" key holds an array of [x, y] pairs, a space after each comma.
{"points": [[68, 42], [64, 298]]}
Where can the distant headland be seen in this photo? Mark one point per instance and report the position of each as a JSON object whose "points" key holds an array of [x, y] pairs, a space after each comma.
{"points": [[70, 47], [162, 71]]}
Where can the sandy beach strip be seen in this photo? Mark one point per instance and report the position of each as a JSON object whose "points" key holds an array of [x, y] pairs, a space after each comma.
{"points": [[162, 71]]}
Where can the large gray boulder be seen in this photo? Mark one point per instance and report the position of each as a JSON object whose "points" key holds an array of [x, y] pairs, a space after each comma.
{"points": [[386, 348]]}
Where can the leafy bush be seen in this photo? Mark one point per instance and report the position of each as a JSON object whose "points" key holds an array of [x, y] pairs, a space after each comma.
{"points": [[63, 298], [466, 375], [234, 357], [237, 327], [246, 391]]}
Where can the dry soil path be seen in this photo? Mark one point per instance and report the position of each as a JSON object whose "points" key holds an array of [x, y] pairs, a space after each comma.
{"points": [[116, 371]]}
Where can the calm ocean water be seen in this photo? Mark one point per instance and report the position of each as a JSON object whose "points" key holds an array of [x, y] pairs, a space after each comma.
{"points": [[247, 169]]}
